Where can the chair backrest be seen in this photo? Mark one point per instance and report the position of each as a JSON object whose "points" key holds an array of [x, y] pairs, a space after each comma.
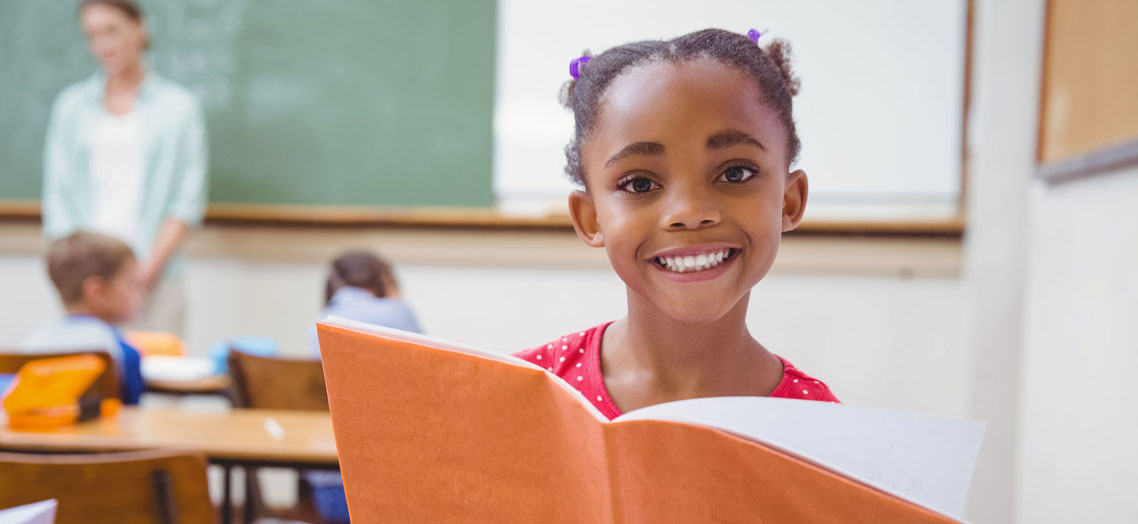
{"points": [[277, 383], [138, 487], [107, 385]]}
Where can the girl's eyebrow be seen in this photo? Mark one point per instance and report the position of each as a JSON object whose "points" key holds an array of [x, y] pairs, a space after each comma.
{"points": [[637, 148], [723, 139], [731, 137]]}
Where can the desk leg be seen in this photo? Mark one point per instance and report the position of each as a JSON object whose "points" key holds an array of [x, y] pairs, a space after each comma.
{"points": [[226, 497], [250, 495]]}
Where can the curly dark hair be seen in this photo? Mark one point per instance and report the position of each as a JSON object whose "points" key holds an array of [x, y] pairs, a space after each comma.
{"points": [[769, 67]]}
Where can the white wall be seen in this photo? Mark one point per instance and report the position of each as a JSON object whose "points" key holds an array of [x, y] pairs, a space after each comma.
{"points": [[1078, 461], [1002, 148]]}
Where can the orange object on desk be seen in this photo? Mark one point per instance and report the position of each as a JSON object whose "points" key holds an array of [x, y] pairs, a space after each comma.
{"points": [[45, 393], [155, 343]]}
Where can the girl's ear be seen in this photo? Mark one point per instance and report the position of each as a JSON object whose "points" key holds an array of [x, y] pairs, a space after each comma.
{"points": [[584, 214], [794, 200]]}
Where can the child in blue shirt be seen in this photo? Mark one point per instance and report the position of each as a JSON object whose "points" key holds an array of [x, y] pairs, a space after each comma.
{"points": [[361, 286], [98, 280]]}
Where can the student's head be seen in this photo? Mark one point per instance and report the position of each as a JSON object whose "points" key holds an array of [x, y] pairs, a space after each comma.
{"points": [[362, 269], [96, 274], [683, 151], [115, 33]]}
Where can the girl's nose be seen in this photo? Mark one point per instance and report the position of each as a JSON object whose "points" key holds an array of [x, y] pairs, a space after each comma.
{"points": [[689, 208]]}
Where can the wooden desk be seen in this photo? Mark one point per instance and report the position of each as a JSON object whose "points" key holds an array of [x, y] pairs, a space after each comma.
{"points": [[212, 385], [305, 438], [241, 437]]}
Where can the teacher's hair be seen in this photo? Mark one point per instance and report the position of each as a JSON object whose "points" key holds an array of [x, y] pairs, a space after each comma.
{"points": [[127, 7]]}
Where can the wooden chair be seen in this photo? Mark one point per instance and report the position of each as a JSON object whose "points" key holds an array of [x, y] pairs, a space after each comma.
{"points": [[277, 383], [137, 487], [107, 385]]}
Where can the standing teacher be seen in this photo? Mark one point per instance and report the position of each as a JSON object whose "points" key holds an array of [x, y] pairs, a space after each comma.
{"points": [[126, 155]]}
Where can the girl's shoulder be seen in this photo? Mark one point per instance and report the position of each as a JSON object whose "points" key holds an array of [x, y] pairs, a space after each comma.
{"points": [[575, 358], [569, 348], [798, 385]]}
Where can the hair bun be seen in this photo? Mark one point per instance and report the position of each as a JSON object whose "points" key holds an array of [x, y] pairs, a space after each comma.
{"points": [[779, 52]]}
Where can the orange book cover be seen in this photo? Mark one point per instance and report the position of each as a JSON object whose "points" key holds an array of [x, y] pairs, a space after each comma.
{"points": [[429, 431]]}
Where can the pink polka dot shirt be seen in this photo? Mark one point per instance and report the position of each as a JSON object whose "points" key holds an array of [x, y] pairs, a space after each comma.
{"points": [[576, 358]]}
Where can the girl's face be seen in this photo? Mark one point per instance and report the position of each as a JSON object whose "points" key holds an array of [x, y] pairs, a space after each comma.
{"points": [[687, 187], [115, 39]]}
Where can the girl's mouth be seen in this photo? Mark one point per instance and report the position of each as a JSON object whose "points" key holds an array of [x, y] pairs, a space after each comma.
{"points": [[694, 262]]}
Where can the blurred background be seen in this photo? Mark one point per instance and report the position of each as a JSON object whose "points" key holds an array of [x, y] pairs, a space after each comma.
{"points": [[970, 247]]}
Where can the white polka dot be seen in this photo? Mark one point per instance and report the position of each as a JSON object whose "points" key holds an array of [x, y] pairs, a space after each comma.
{"points": [[549, 346], [563, 348], [563, 339], [581, 333], [795, 381], [816, 382], [598, 398], [582, 351], [539, 357], [563, 359], [804, 392], [578, 364], [580, 378]]}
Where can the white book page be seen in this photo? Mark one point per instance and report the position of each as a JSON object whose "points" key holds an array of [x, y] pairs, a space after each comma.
{"points": [[924, 459], [42, 512], [417, 338]]}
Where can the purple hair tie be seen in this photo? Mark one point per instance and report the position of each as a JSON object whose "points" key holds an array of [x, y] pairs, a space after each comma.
{"points": [[755, 34], [575, 66]]}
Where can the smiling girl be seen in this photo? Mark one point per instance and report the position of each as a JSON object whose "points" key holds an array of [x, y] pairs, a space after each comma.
{"points": [[682, 153]]}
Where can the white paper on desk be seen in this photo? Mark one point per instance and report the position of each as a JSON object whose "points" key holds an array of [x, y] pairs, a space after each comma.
{"points": [[176, 369], [42, 512], [924, 459]]}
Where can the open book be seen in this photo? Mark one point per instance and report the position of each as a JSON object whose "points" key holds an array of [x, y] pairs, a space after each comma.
{"points": [[431, 431]]}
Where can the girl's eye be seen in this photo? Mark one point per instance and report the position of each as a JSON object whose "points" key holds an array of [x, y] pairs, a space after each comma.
{"points": [[637, 184], [737, 174]]}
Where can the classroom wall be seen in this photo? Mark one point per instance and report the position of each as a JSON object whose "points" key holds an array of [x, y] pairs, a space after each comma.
{"points": [[1079, 423], [1052, 297], [1001, 149]]}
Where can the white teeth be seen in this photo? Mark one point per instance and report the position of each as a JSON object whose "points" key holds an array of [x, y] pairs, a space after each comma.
{"points": [[690, 263]]}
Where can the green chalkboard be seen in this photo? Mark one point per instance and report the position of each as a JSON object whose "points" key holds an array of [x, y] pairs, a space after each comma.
{"points": [[319, 102]]}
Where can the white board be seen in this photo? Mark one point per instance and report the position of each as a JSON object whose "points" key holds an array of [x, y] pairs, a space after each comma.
{"points": [[879, 113]]}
